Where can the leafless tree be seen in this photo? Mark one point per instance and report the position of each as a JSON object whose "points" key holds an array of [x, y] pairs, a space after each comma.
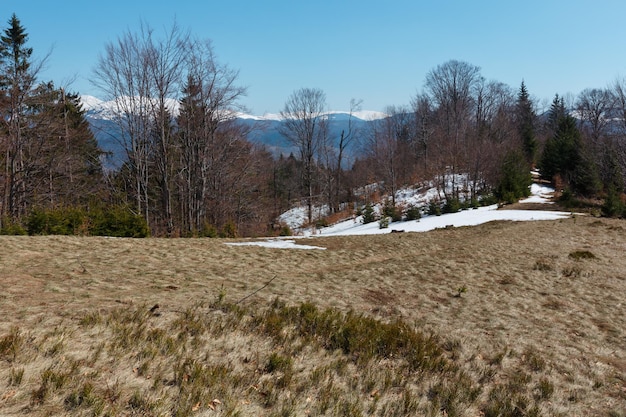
{"points": [[452, 89], [333, 154], [305, 127], [123, 75], [594, 108], [165, 60], [209, 144], [143, 74], [388, 146]]}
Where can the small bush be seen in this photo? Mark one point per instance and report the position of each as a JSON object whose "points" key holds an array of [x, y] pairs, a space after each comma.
{"points": [[452, 205], [613, 205], [208, 230], [391, 211], [117, 221], [434, 209], [413, 213], [285, 231], [369, 215], [9, 227], [488, 200], [384, 221], [229, 230]]}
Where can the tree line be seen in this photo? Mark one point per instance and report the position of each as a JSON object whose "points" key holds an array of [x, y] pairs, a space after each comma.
{"points": [[189, 169]]}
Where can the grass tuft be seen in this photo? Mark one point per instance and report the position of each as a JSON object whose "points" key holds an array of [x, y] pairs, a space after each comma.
{"points": [[11, 344], [581, 254]]}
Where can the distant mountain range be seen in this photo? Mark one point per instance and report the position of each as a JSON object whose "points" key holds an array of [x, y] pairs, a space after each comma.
{"points": [[264, 130]]}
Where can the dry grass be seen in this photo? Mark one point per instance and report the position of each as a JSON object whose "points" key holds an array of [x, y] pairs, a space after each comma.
{"points": [[96, 326]]}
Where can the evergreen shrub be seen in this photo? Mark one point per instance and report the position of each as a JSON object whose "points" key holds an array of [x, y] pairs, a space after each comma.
{"points": [[9, 227], [229, 230], [613, 205], [116, 221], [453, 205], [369, 215], [434, 209], [413, 213], [390, 210]]}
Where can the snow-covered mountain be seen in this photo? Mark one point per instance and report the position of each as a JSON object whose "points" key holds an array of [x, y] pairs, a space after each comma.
{"points": [[264, 130], [96, 107]]}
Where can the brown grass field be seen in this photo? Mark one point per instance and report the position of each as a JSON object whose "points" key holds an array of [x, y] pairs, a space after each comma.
{"points": [[503, 319]]}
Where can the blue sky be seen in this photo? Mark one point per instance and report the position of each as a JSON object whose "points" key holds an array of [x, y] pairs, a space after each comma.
{"points": [[379, 52]]}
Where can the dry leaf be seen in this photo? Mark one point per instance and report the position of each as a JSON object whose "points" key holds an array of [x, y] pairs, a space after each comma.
{"points": [[196, 407]]}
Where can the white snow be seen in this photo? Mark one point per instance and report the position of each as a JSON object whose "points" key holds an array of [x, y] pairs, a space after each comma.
{"points": [[539, 194], [277, 243], [471, 217], [108, 109]]}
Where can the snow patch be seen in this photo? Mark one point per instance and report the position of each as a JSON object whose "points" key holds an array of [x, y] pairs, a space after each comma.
{"points": [[276, 244], [539, 194]]}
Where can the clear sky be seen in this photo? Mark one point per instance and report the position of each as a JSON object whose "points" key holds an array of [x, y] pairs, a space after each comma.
{"points": [[376, 51]]}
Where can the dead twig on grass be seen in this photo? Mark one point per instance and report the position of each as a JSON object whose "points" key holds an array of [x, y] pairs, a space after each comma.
{"points": [[256, 291]]}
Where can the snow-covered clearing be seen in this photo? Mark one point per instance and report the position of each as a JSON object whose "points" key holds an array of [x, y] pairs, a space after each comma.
{"points": [[472, 217]]}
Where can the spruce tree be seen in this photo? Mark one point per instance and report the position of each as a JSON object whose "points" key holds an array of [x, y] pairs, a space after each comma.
{"points": [[14, 54], [17, 78], [526, 118], [556, 113], [564, 156], [515, 179]]}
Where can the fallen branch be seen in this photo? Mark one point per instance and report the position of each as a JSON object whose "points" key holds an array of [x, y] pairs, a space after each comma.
{"points": [[251, 294]]}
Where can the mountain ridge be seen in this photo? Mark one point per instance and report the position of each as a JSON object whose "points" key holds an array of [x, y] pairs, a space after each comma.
{"points": [[263, 130], [107, 108]]}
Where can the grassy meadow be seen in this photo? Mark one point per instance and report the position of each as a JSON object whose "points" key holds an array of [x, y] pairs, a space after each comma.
{"points": [[503, 319]]}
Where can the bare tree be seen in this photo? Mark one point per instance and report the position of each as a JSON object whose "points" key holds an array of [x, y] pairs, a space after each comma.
{"points": [[424, 129], [452, 89], [492, 128], [143, 75], [210, 145], [305, 127], [594, 107], [333, 154], [123, 75], [388, 147]]}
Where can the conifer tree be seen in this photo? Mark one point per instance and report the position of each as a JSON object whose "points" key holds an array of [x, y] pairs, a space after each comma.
{"points": [[515, 179], [17, 77], [564, 156], [526, 118]]}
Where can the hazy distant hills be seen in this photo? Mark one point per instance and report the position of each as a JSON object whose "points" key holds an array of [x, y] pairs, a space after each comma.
{"points": [[264, 130]]}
